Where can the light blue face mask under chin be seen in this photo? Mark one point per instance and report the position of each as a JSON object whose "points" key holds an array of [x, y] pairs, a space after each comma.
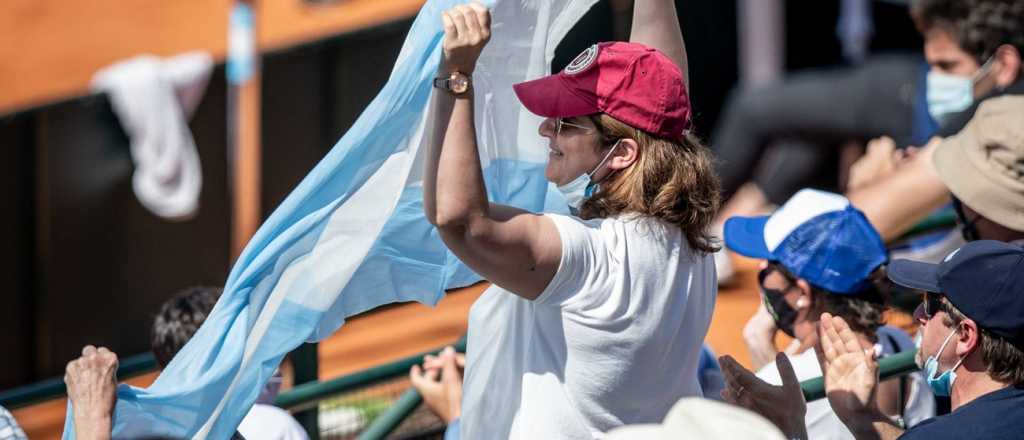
{"points": [[951, 94], [943, 384], [582, 188]]}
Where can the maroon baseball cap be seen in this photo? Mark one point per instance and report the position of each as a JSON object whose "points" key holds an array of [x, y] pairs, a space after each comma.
{"points": [[631, 82]]}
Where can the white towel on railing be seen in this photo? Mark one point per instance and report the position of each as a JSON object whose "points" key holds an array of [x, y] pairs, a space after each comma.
{"points": [[154, 98]]}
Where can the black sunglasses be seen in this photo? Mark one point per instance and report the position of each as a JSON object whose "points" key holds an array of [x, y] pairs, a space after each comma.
{"points": [[932, 305], [772, 267]]}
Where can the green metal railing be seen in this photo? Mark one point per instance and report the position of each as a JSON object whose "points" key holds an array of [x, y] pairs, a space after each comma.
{"points": [[47, 389], [889, 367], [941, 220], [388, 422], [307, 395], [313, 392]]}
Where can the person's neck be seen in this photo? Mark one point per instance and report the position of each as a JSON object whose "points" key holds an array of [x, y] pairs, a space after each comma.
{"points": [[1004, 235], [970, 385]]}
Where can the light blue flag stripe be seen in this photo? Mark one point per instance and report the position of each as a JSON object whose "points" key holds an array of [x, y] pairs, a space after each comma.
{"points": [[352, 235]]}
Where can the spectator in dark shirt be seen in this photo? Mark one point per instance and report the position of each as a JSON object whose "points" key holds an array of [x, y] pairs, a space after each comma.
{"points": [[971, 350]]}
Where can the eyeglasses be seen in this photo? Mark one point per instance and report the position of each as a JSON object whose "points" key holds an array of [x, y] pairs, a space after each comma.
{"points": [[559, 122], [763, 274]]}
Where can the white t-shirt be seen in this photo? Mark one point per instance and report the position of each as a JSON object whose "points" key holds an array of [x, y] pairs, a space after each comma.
{"points": [[615, 338], [268, 422], [822, 422]]}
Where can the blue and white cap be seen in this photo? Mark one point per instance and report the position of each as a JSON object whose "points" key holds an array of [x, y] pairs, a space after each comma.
{"points": [[818, 236]]}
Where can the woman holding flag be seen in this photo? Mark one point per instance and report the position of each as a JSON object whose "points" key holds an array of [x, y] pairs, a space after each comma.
{"points": [[594, 320]]}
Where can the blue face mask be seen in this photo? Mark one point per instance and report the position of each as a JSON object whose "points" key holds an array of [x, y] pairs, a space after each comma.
{"points": [[582, 188], [951, 94], [943, 384]]}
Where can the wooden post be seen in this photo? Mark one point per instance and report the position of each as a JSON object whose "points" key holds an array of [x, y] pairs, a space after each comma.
{"points": [[243, 124], [245, 166]]}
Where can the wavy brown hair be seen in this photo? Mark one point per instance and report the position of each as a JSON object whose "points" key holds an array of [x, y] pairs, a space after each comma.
{"points": [[979, 27], [673, 181]]}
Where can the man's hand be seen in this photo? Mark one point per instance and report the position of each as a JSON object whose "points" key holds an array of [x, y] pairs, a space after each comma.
{"points": [[851, 379], [851, 372], [782, 405], [880, 160], [467, 29], [444, 397], [92, 388], [759, 335]]}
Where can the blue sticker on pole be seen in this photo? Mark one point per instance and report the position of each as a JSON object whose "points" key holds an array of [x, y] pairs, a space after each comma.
{"points": [[241, 44]]}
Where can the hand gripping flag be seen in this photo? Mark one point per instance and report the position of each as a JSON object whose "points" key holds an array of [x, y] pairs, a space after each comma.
{"points": [[352, 236]]}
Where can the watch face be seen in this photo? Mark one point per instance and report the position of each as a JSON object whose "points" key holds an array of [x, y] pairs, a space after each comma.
{"points": [[459, 83]]}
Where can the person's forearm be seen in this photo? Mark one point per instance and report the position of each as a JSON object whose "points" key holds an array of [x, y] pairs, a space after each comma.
{"points": [[797, 432], [900, 201], [761, 346], [872, 426], [656, 24], [92, 427], [454, 191]]}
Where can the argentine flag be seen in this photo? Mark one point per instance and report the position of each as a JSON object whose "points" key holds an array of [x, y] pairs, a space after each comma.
{"points": [[352, 235]]}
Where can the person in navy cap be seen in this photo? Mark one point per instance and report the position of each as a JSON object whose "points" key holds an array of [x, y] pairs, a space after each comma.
{"points": [[821, 256], [971, 350]]}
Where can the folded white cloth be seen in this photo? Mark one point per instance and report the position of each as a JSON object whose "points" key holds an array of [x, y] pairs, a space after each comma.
{"points": [[153, 98]]}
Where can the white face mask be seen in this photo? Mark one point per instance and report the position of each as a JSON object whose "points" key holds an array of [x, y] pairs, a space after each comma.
{"points": [[581, 188], [951, 94]]}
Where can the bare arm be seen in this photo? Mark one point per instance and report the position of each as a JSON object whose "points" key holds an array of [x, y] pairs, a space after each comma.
{"points": [[873, 426], [656, 24], [899, 201], [92, 389], [514, 249], [782, 405]]}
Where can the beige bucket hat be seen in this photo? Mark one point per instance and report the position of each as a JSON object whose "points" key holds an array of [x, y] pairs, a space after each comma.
{"points": [[983, 165], [697, 418]]}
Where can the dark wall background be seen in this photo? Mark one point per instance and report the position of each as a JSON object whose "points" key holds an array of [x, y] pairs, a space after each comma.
{"points": [[84, 262], [16, 253], [811, 39], [312, 94]]}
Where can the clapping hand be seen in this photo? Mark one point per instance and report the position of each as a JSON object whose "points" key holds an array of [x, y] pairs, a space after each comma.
{"points": [[783, 405], [851, 372], [439, 381]]}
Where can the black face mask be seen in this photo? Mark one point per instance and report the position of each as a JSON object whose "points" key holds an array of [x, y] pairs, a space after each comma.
{"points": [[775, 301]]}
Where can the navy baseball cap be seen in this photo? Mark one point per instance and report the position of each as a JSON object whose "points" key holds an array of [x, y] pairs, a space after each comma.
{"points": [[818, 236], [983, 279]]}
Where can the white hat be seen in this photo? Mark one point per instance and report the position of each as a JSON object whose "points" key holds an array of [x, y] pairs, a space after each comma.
{"points": [[694, 417]]}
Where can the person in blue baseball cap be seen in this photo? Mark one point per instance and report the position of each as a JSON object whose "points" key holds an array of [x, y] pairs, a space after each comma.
{"points": [[971, 350], [821, 255]]}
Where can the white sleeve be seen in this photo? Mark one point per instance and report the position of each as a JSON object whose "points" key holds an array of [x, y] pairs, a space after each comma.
{"points": [[584, 260]]}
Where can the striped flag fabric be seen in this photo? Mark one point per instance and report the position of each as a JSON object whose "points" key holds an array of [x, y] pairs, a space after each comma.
{"points": [[352, 235]]}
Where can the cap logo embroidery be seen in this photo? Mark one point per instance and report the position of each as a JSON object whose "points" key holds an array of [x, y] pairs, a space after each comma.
{"points": [[582, 62]]}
